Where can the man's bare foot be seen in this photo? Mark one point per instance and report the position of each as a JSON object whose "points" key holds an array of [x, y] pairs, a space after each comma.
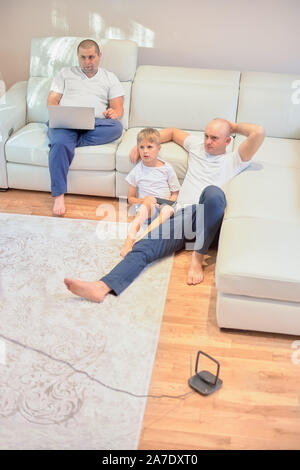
{"points": [[195, 274], [59, 205], [127, 247], [94, 291]]}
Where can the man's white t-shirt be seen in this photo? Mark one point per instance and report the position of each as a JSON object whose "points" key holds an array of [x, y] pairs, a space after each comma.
{"points": [[157, 181], [205, 170], [79, 90]]}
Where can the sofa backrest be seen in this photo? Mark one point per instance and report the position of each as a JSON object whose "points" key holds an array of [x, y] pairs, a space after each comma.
{"points": [[269, 99], [186, 98], [51, 54]]}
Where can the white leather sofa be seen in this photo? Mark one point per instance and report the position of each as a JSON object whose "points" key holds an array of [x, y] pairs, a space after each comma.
{"points": [[258, 262]]}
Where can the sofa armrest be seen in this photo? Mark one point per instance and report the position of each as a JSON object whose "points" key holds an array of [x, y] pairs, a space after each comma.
{"points": [[12, 118], [13, 110]]}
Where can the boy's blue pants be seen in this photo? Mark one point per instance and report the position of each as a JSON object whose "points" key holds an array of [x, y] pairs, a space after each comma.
{"points": [[199, 223], [64, 141]]}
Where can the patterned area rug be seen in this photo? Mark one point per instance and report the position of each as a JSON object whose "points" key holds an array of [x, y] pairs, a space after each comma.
{"points": [[70, 369]]}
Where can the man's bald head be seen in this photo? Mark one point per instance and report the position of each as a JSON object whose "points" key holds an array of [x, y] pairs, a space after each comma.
{"points": [[217, 136], [222, 125]]}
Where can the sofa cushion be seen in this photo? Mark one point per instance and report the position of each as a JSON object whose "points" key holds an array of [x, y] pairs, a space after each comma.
{"points": [[266, 99], [276, 151], [265, 191], [30, 146], [258, 257], [37, 178], [181, 97], [37, 93], [252, 313]]}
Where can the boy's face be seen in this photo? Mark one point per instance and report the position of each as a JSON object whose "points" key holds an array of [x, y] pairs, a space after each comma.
{"points": [[148, 151]]}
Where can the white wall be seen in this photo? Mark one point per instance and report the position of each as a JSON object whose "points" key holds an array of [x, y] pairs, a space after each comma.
{"points": [[262, 35]]}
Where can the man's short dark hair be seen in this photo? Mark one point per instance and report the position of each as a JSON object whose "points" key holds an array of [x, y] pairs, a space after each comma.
{"points": [[86, 43]]}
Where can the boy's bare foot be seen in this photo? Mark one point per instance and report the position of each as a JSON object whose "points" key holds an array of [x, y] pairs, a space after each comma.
{"points": [[195, 274], [94, 291], [59, 205], [127, 247]]}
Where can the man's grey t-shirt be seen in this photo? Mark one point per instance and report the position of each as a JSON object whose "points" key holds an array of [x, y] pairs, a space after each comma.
{"points": [[79, 90], [205, 170]]}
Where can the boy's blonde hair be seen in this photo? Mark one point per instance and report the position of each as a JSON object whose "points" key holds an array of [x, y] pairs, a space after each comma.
{"points": [[150, 134]]}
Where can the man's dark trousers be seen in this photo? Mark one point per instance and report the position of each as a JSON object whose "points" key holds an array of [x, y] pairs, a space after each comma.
{"points": [[197, 223]]}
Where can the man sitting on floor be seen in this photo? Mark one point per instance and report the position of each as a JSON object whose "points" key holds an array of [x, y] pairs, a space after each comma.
{"points": [[210, 167], [86, 85]]}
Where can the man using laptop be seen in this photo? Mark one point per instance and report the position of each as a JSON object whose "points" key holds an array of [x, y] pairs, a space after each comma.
{"points": [[85, 85]]}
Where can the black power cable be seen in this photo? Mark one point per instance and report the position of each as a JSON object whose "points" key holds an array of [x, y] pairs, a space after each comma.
{"points": [[79, 371]]}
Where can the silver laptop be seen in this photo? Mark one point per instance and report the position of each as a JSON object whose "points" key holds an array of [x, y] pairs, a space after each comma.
{"points": [[71, 117]]}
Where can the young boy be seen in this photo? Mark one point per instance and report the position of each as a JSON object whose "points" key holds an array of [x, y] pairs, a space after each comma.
{"points": [[150, 179]]}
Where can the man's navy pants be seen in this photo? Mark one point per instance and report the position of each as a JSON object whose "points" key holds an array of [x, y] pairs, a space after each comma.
{"points": [[64, 141], [199, 223]]}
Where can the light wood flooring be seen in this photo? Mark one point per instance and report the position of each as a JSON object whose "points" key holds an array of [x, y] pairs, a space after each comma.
{"points": [[258, 406]]}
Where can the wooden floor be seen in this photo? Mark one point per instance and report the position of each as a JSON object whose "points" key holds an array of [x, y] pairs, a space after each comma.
{"points": [[258, 406]]}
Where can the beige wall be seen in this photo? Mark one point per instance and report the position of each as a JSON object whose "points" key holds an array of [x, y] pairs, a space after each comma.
{"points": [[262, 35]]}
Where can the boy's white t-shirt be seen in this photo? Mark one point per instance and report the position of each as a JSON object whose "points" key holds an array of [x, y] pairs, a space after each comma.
{"points": [[79, 90], [157, 181], [205, 170]]}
